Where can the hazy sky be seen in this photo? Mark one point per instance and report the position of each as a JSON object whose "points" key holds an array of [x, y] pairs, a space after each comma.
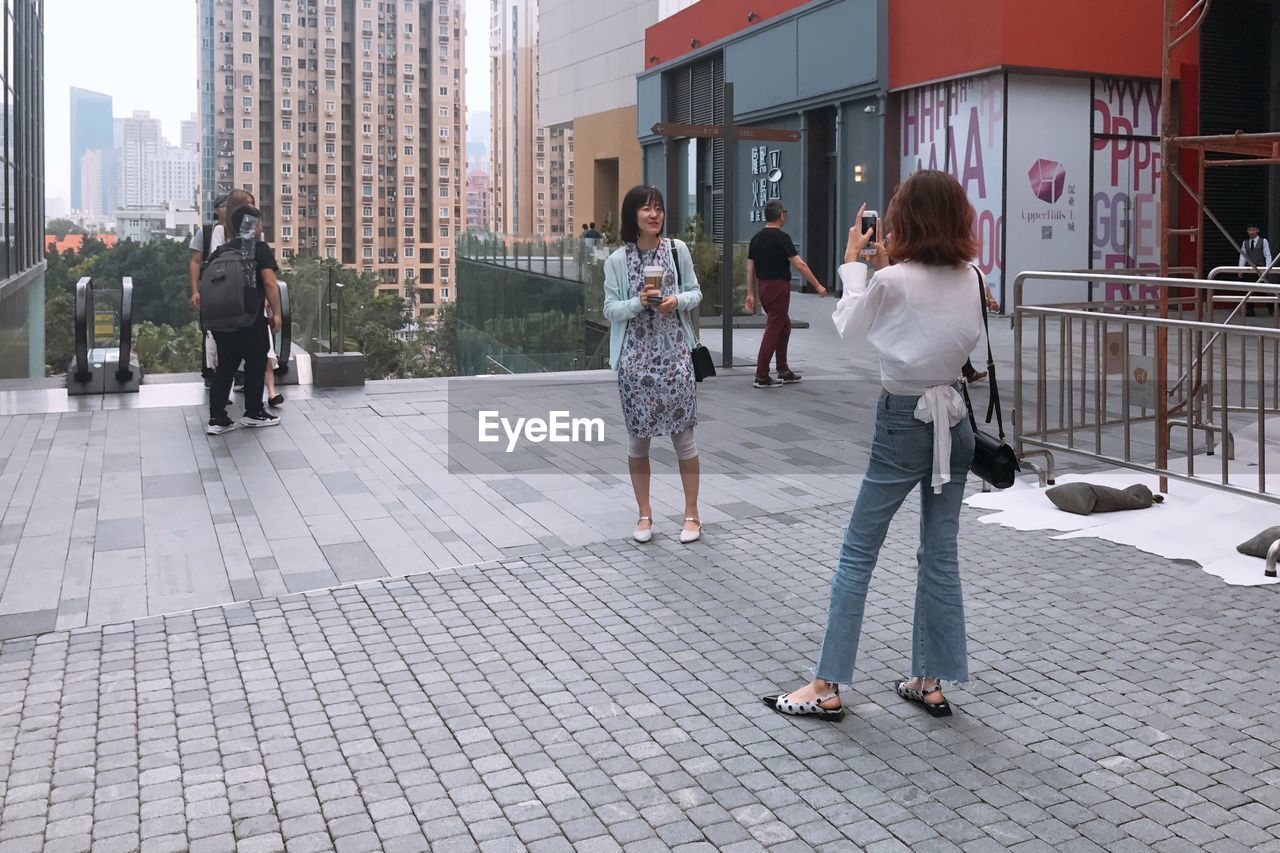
{"points": [[143, 54]]}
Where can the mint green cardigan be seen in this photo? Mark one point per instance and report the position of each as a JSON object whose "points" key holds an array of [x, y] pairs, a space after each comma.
{"points": [[620, 306]]}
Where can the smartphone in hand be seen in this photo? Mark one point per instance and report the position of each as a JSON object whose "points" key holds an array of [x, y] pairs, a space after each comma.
{"points": [[870, 222]]}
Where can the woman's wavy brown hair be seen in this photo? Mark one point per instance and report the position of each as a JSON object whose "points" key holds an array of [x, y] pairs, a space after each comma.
{"points": [[931, 221]]}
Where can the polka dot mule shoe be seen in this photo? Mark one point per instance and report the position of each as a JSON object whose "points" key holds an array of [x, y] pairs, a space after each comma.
{"points": [[813, 708]]}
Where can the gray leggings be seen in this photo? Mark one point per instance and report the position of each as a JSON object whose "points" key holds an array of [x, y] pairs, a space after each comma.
{"points": [[683, 441]]}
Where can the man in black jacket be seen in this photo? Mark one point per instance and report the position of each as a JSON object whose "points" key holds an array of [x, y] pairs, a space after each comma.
{"points": [[250, 343]]}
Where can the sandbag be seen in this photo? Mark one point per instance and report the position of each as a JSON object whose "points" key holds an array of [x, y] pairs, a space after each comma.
{"points": [[1258, 545], [1087, 498]]}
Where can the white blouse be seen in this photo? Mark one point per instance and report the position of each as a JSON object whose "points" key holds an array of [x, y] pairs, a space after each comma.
{"points": [[923, 322]]}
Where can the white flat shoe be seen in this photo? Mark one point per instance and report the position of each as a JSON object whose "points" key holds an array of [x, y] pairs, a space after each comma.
{"points": [[687, 536], [646, 534]]}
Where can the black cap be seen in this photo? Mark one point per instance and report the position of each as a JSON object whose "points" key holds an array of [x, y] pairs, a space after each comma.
{"points": [[219, 201]]}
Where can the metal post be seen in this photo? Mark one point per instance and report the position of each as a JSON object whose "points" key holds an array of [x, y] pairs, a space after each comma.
{"points": [[1167, 153], [342, 324], [726, 258]]}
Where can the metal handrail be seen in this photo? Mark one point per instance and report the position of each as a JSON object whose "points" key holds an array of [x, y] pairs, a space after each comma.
{"points": [[1213, 276], [124, 372], [83, 309], [1036, 441]]}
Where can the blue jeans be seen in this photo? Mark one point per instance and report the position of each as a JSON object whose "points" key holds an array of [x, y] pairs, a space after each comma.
{"points": [[901, 459]]}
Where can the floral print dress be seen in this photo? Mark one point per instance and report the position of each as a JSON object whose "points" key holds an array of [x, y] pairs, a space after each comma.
{"points": [[655, 368]]}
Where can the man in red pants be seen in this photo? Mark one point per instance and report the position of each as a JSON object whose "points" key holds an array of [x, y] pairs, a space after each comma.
{"points": [[769, 263]]}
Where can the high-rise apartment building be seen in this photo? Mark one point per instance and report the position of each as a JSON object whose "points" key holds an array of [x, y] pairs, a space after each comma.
{"points": [[176, 177], [513, 37], [346, 119], [91, 128], [525, 157], [96, 176], [190, 137], [139, 144], [587, 86], [479, 199]]}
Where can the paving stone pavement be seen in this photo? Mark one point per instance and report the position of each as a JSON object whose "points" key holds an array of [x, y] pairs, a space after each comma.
{"points": [[604, 697]]}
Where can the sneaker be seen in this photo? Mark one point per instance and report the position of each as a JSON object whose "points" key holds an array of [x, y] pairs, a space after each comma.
{"points": [[238, 387], [217, 426], [259, 419], [789, 377], [277, 400], [766, 382]]}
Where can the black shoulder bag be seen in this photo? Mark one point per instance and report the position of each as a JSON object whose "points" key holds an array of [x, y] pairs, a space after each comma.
{"points": [[993, 460], [703, 364]]}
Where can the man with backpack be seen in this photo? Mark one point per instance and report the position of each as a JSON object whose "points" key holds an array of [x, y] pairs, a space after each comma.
{"points": [[236, 282]]}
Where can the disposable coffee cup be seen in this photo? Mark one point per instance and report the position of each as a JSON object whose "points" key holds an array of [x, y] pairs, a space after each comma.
{"points": [[653, 278]]}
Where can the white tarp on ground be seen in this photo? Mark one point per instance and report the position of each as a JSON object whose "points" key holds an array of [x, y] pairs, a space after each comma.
{"points": [[1194, 523]]}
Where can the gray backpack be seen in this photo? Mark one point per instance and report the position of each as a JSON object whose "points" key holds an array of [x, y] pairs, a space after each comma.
{"points": [[229, 290]]}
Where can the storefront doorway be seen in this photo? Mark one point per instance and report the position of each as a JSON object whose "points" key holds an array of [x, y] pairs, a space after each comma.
{"points": [[821, 173]]}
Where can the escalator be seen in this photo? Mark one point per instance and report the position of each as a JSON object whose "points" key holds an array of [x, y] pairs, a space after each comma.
{"points": [[113, 368], [103, 369]]}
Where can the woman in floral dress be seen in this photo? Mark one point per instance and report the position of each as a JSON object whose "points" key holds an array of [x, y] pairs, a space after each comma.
{"points": [[650, 344]]}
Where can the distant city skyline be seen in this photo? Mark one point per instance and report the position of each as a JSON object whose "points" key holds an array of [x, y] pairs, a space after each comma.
{"points": [[161, 78]]}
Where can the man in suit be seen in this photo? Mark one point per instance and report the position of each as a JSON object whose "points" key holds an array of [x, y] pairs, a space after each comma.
{"points": [[1255, 251]]}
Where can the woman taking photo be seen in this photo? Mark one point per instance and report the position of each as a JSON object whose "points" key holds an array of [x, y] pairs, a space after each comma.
{"points": [[649, 290], [923, 317]]}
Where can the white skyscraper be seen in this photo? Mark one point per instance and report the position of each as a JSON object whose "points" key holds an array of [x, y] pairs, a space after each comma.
{"points": [[139, 144]]}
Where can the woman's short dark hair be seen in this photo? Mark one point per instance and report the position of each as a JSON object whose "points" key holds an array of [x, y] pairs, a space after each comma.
{"points": [[636, 198], [931, 221]]}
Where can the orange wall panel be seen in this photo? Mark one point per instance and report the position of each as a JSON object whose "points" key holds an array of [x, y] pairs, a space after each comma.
{"points": [[934, 39], [1096, 36]]}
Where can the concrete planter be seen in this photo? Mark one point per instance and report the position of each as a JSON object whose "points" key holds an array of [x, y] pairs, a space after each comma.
{"points": [[337, 370]]}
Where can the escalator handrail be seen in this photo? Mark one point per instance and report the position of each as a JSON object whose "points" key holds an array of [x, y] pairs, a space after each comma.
{"points": [[124, 370], [83, 308], [286, 330]]}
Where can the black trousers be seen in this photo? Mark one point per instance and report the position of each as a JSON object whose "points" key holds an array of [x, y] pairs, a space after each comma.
{"points": [[249, 345]]}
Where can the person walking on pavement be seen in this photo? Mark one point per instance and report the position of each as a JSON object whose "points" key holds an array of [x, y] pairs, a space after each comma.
{"points": [[247, 344], [770, 259], [650, 289], [920, 317]]}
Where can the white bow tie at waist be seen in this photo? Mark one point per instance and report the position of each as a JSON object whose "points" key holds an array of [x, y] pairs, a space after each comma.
{"points": [[941, 404]]}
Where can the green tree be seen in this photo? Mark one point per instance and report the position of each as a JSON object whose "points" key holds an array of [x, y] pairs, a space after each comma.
{"points": [[161, 289], [60, 228], [59, 331], [706, 256], [442, 342]]}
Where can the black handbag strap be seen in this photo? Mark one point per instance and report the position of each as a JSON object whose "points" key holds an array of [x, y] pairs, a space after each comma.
{"points": [[993, 404], [693, 315]]}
